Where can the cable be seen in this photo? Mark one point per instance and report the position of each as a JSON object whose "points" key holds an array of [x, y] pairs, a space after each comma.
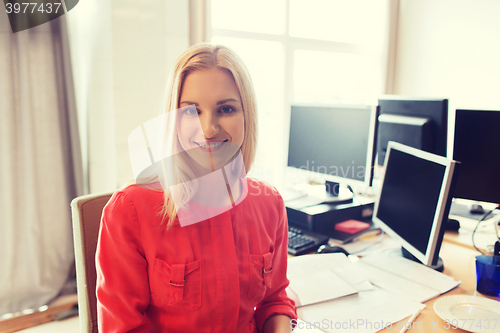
{"points": [[496, 249], [478, 222], [350, 188], [497, 231], [354, 195]]}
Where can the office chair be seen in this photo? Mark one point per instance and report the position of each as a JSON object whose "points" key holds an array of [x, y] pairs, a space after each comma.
{"points": [[86, 213]]}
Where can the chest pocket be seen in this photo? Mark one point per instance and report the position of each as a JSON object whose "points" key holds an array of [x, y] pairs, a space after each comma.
{"points": [[177, 285], [261, 271]]}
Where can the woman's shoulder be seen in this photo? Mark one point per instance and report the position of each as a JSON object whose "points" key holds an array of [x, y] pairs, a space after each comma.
{"points": [[134, 192], [132, 206], [265, 198], [257, 187], [134, 196]]}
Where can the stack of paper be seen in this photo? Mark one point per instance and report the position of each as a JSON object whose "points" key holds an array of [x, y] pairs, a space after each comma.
{"points": [[319, 278], [365, 312], [334, 294]]}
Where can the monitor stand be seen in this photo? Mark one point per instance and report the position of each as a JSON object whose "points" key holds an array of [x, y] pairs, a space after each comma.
{"points": [[334, 193], [451, 224], [438, 267]]}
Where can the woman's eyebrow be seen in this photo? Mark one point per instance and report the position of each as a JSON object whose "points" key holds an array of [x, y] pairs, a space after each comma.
{"points": [[227, 100], [218, 103], [187, 102]]}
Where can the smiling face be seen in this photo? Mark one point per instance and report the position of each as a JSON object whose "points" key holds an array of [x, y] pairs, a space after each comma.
{"points": [[211, 121]]}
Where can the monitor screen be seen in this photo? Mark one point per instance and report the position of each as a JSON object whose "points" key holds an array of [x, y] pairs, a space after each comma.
{"points": [[475, 146], [337, 141], [414, 198], [419, 123]]}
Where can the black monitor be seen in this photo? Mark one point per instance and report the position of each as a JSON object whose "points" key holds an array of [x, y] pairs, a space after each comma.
{"points": [[414, 199], [476, 145], [419, 123], [337, 141]]}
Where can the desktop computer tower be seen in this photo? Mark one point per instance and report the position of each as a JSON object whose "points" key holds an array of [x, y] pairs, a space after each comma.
{"points": [[322, 218]]}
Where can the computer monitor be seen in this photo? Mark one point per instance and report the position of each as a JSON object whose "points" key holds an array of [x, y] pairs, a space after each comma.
{"points": [[415, 198], [337, 141], [475, 146], [419, 123]]}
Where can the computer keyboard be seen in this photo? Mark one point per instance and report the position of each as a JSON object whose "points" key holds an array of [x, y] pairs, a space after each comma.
{"points": [[304, 241]]}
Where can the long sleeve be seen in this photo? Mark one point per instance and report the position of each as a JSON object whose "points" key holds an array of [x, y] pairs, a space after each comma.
{"points": [[276, 300], [122, 280]]}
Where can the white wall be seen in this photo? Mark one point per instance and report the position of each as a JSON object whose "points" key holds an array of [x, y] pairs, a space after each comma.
{"points": [[450, 48], [122, 52]]}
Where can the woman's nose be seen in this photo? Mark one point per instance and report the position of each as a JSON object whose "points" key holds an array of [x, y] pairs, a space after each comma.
{"points": [[209, 125]]}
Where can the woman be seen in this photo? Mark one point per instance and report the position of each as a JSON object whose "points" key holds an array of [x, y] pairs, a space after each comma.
{"points": [[225, 271]]}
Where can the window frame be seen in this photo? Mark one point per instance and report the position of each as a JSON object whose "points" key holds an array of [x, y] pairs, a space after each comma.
{"points": [[290, 44]]}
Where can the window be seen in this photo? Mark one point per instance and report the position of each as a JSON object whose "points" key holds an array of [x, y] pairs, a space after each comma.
{"points": [[298, 51]]}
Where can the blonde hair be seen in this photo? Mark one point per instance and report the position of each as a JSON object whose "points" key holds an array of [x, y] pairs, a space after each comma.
{"points": [[200, 57]]}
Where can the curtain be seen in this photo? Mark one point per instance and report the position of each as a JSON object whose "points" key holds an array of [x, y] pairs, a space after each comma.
{"points": [[40, 164]]}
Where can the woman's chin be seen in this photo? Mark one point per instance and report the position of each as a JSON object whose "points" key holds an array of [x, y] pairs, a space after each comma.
{"points": [[207, 165]]}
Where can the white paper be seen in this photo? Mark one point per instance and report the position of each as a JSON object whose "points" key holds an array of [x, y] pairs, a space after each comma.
{"points": [[318, 286], [365, 312], [318, 278], [390, 271]]}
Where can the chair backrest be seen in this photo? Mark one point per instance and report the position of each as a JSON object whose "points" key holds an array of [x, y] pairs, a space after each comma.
{"points": [[86, 214]]}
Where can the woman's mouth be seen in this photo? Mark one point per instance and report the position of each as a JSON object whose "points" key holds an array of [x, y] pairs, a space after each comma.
{"points": [[211, 146]]}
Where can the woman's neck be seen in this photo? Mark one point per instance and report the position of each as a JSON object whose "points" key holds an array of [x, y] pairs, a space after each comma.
{"points": [[218, 189]]}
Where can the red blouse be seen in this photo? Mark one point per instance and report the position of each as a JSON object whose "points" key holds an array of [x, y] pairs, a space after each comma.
{"points": [[224, 274]]}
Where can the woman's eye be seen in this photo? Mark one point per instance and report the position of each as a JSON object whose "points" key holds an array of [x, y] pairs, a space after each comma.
{"points": [[191, 111], [226, 109]]}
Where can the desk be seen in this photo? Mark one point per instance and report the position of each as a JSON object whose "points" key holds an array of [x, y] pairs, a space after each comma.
{"points": [[485, 235], [459, 262]]}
